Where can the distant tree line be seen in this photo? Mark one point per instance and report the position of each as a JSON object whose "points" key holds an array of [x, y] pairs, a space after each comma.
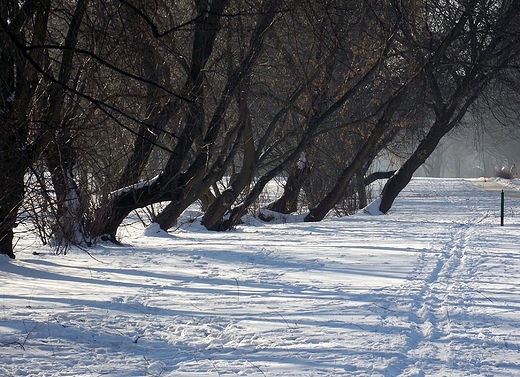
{"points": [[110, 106]]}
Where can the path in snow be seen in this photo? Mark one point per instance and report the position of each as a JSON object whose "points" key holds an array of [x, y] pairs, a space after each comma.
{"points": [[439, 317], [431, 289], [511, 188]]}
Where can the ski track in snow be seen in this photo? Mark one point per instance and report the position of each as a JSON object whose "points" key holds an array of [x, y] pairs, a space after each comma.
{"points": [[428, 290], [439, 316]]}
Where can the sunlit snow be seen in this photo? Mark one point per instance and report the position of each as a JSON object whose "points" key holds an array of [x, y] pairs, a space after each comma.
{"points": [[430, 289]]}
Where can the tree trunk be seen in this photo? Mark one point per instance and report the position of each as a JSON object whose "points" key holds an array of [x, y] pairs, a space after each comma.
{"points": [[331, 199], [171, 184], [288, 202], [403, 176], [448, 114], [213, 216], [67, 227], [187, 195], [60, 154], [12, 170], [18, 83], [361, 189], [237, 83]]}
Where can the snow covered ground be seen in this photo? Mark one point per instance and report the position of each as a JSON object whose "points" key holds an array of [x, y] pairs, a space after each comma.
{"points": [[431, 289]]}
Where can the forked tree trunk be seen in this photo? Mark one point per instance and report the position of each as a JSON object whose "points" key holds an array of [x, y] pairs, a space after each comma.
{"points": [[60, 154], [67, 227], [171, 186], [213, 216]]}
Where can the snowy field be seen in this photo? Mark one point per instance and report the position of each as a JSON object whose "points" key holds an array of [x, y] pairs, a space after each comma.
{"points": [[430, 289]]}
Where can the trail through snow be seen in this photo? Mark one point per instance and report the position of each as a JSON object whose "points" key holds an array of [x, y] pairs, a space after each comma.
{"points": [[431, 289]]}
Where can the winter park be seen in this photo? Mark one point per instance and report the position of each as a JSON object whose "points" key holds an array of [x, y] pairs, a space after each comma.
{"points": [[430, 289], [259, 188]]}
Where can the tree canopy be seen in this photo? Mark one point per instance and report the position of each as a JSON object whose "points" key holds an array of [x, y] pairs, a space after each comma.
{"points": [[107, 107]]}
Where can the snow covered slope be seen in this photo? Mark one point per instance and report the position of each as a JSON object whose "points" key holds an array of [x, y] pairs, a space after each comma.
{"points": [[430, 289]]}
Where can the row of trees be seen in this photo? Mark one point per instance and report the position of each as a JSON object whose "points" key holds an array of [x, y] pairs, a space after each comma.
{"points": [[111, 106]]}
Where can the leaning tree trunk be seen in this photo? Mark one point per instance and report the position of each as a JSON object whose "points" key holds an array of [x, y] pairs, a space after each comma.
{"points": [[403, 176], [468, 87], [319, 212], [448, 115], [128, 199], [288, 202], [213, 218]]}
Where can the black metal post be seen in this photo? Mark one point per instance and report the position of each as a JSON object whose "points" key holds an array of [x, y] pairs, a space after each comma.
{"points": [[502, 208]]}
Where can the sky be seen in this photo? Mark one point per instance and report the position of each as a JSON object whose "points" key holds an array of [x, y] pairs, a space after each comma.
{"points": [[429, 289]]}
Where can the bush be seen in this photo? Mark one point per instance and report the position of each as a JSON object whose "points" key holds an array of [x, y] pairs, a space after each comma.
{"points": [[504, 174]]}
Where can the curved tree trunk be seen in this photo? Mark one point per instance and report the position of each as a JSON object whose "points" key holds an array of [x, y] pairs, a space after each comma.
{"points": [[332, 198], [395, 185], [403, 176], [448, 115], [449, 110]]}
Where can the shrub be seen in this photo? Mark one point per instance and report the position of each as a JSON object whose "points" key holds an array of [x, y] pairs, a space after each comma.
{"points": [[504, 174]]}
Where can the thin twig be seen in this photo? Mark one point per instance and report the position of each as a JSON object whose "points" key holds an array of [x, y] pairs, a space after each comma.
{"points": [[238, 290]]}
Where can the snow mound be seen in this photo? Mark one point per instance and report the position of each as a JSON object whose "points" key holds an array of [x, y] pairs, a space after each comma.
{"points": [[154, 230], [373, 208], [190, 220]]}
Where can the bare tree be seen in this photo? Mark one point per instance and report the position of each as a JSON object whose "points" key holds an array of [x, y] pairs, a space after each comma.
{"points": [[482, 42], [114, 106], [19, 79]]}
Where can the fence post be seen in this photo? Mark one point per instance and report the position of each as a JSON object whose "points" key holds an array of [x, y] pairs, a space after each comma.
{"points": [[502, 208]]}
